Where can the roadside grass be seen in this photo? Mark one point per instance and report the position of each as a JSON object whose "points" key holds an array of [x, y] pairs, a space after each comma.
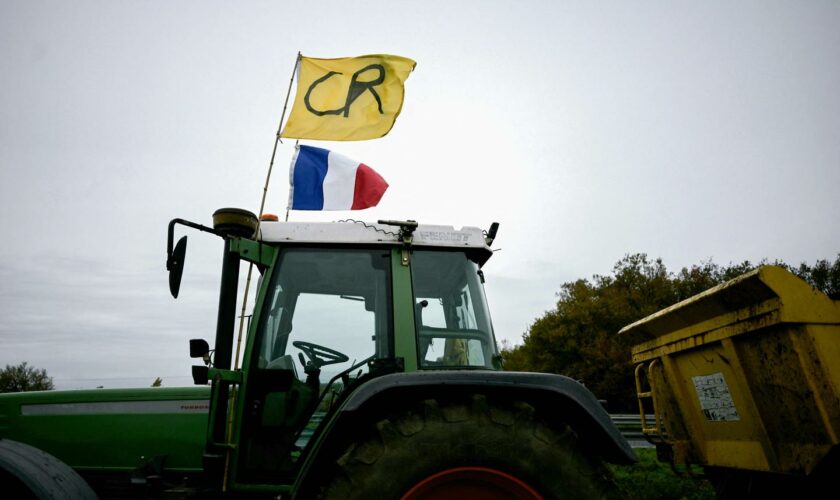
{"points": [[651, 479]]}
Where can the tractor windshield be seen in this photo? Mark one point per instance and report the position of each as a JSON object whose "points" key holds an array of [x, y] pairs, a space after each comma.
{"points": [[327, 307], [452, 320]]}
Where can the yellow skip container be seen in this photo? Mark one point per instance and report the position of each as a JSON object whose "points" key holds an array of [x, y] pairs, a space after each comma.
{"points": [[745, 375]]}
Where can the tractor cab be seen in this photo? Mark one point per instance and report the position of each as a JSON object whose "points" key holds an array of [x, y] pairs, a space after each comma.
{"points": [[338, 304]]}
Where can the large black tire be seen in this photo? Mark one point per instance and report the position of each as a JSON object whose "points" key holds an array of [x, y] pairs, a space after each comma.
{"points": [[404, 450], [27, 472]]}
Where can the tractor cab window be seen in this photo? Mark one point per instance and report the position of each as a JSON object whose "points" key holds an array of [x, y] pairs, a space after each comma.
{"points": [[327, 309], [452, 320], [325, 314]]}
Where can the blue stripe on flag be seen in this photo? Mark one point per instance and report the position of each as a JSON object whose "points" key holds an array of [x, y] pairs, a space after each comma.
{"points": [[310, 171]]}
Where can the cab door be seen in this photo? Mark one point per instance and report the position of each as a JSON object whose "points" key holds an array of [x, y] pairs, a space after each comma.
{"points": [[325, 314]]}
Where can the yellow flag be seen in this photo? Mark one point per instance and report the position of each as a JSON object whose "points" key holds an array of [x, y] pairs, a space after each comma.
{"points": [[347, 99]]}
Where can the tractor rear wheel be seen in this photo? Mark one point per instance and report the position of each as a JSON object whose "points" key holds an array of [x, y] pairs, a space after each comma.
{"points": [[467, 449]]}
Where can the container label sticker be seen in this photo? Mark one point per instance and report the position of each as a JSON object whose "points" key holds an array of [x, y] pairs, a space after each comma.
{"points": [[715, 399]]}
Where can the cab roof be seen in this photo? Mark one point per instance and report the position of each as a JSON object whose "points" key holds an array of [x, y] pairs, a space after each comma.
{"points": [[364, 233]]}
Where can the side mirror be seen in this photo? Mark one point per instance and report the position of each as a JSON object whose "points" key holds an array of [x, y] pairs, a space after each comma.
{"points": [[491, 234], [199, 348], [175, 265], [199, 375]]}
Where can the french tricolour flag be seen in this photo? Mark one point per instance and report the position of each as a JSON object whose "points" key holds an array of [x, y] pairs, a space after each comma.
{"points": [[324, 180]]}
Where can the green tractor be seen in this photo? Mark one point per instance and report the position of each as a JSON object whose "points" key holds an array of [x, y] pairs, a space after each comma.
{"points": [[369, 370]]}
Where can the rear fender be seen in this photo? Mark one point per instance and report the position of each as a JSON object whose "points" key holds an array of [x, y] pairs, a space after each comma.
{"points": [[555, 398]]}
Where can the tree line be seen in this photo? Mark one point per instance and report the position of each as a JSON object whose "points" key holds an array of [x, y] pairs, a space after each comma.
{"points": [[22, 377], [578, 338]]}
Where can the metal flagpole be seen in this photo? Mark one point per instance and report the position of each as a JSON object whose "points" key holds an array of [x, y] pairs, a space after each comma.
{"points": [[262, 205], [277, 141], [288, 203]]}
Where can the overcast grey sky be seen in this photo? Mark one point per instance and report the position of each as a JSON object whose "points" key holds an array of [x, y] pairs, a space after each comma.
{"points": [[589, 130]]}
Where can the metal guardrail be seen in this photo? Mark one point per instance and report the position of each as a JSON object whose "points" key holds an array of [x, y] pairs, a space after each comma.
{"points": [[630, 425]]}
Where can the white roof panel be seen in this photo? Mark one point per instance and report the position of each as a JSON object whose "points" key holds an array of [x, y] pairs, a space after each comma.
{"points": [[368, 233]]}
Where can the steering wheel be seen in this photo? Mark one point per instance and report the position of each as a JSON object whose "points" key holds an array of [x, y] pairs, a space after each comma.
{"points": [[318, 355]]}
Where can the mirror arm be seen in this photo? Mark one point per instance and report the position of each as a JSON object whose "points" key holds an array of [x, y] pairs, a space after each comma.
{"points": [[170, 237]]}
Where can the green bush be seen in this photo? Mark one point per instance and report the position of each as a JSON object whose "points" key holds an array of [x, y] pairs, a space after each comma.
{"points": [[651, 479]]}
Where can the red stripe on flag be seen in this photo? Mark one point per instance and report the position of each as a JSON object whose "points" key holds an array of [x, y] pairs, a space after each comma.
{"points": [[369, 189]]}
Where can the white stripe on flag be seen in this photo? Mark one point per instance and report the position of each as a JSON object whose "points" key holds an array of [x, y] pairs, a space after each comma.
{"points": [[340, 182]]}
